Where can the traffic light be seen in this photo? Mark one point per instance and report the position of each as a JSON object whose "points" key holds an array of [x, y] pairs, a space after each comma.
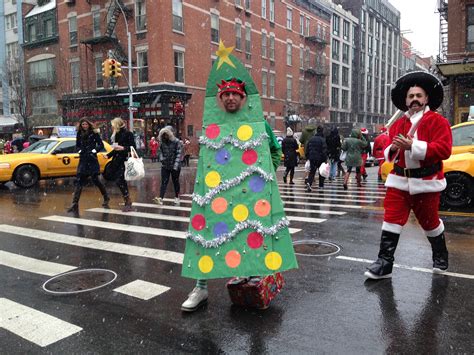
{"points": [[118, 70], [112, 67], [105, 68]]}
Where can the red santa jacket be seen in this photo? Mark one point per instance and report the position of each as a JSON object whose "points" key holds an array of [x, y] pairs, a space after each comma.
{"points": [[380, 143], [432, 142]]}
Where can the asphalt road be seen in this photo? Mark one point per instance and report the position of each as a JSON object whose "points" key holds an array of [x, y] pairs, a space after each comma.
{"points": [[326, 306]]}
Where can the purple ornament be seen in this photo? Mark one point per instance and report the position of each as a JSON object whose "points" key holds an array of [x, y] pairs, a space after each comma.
{"points": [[256, 183], [220, 228], [222, 156]]}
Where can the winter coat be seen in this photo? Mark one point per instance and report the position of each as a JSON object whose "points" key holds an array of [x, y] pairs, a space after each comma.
{"points": [[380, 143], [153, 148], [117, 166], [88, 144], [317, 148], [307, 133], [354, 145], [333, 142], [289, 146], [171, 150]]}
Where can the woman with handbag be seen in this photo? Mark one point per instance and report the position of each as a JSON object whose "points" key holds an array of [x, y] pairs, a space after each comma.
{"points": [[353, 146], [289, 147], [122, 139], [334, 150], [88, 144]]}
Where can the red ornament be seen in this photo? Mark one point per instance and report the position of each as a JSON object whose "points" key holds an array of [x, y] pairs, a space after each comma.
{"points": [[249, 157]]}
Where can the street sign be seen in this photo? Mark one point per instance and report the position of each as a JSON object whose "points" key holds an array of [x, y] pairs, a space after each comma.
{"points": [[133, 108], [126, 100], [136, 104]]}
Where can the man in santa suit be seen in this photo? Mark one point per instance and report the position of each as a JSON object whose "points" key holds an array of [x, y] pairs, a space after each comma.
{"points": [[381, 142], [420, 141]]}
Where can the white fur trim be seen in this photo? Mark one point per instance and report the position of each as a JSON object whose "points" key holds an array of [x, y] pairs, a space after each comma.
{"points": [[398, 182], [418, 150], [392, 227], [435, 232], [415, 186], [386, 154]]}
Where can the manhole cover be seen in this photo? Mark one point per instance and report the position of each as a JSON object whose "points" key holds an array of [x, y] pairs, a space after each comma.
{"points": [[315, 248], [78, 281]]}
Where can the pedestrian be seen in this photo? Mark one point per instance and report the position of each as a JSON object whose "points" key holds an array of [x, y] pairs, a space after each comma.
{"points": [[316, 153], [2, 146], [153, 149], [88, 145], [242, 199], [420, 141], [186, 151], [170, 153], [289, 147], [333, 142], [340, 167], [122, 139], [308, 132], [8, 147], [381, 142], [354, 145], [366, 151], [26, 144]]}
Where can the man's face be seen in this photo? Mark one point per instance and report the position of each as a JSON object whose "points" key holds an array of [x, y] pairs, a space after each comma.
{"points": [[231, 101], [165, 136], [416, 99]]}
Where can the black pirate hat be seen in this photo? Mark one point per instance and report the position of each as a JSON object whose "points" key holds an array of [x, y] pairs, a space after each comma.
{"points": [[425, 80]]}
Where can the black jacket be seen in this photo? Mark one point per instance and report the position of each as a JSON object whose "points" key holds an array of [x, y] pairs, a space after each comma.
{"points": [[317, 148], [171, 150], [88, 145], [289, 147], [333, 142], [125, 139]]}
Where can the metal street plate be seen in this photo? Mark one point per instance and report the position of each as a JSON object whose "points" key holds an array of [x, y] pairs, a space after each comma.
{"points": [[315, 248], [78, 281]]}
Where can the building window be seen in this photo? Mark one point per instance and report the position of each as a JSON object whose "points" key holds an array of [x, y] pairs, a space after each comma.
{"points": [[335, 73], [44, 102], [335, 25], [264, 83], [31, 32], [346, 29], [335, 97], [345, 53], [335, 49], [272, 47], [470, 28], [248, 41], [140, 15], [307, 26], [247, 4], [178, 15], [96, 23], [142, 61], [345, 76], [73, 31], [301, 58], [214, 28], [345, 99], [238, 3], [42, 73], [289, 18], [272, 84], [264, 8], [238, 36], [264, 45], [289, 87], [179, 66], [272, 10], [99, 79], [12, 51], [10, 22], [289, 53], [301, 24], [75, 77]]}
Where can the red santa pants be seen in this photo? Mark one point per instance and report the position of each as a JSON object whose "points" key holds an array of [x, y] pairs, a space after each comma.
{"points": [[398, 204], [364, 159]]}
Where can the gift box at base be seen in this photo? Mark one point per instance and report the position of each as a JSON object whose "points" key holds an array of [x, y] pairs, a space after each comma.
{"points": [[255, 292]]}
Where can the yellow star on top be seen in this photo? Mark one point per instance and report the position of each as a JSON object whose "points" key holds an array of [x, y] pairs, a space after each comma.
{"points": [[223, 54]]}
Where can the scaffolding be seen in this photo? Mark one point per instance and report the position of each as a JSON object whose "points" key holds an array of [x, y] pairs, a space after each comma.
{"points": [[443, 30]]}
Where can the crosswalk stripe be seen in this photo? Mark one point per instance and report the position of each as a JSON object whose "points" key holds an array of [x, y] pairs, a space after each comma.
{"points": [[332, 193], [312, 197], [179, 208], [351, 186], [37, 327], [118, 226], [36, 266], [143, 290], [184, 219], [112, 247]]}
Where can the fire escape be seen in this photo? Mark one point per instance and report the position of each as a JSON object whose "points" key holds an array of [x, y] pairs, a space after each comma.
{"points": [[443, 30], [114, 12]]}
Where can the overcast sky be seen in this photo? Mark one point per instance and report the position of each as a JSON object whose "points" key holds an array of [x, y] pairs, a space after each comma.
{"points": [[421, 18]]}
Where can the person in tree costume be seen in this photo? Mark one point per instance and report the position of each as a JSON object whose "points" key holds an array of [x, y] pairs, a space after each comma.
{"points": [[237, 223]]}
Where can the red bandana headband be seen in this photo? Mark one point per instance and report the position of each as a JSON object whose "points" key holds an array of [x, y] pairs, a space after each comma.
{"points": [[234, 85]]}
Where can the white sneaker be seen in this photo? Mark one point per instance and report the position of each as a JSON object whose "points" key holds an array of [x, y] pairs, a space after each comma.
{"points": [[196, 299], [177, 201], [158, 200], [372, 276]]}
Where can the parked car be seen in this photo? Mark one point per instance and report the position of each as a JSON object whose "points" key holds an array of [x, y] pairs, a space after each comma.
{"points": [[47, 158], [463, 138]]}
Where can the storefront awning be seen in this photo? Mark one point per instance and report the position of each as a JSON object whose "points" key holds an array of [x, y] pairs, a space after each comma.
{"points": [[452, 69], [6, 121]]}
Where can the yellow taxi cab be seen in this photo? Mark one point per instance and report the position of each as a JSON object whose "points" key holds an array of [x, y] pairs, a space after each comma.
{"points": [[47, 158], [463, 138]]}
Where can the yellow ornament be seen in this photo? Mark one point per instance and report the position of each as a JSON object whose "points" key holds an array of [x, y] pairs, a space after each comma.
{"points": [[245, 132], [273, 260], [240, 213], [206, 264], [213, 179]]}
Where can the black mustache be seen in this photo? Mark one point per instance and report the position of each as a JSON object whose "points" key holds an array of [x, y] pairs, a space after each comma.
{"points": [[415, 102]]}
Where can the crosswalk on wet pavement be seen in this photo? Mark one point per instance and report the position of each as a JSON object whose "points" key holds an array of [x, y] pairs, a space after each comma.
{"points": [[156, 224]]}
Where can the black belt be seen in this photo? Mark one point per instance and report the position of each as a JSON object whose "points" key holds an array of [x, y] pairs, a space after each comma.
{"points": [[418, 172]]}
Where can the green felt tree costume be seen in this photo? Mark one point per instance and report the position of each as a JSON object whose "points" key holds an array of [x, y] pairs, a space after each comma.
{"points": [[238, 226]]}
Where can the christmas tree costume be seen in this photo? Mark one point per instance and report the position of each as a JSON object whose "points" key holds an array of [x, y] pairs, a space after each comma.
{"points": [[238, 226]]}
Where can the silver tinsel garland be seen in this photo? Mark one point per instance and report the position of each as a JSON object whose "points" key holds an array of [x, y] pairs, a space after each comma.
{"points": [[234, 141], [227, 184], [227, 237]]}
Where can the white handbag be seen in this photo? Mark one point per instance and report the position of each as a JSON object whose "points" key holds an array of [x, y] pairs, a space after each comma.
{"points": [[324, 170], [343, 155], [134, 167]]}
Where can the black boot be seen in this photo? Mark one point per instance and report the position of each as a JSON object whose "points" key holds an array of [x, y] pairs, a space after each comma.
{"points": [[382, 268], [105, 195], [128, 204], [440, 253], [284, 177], [75, 200]]}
